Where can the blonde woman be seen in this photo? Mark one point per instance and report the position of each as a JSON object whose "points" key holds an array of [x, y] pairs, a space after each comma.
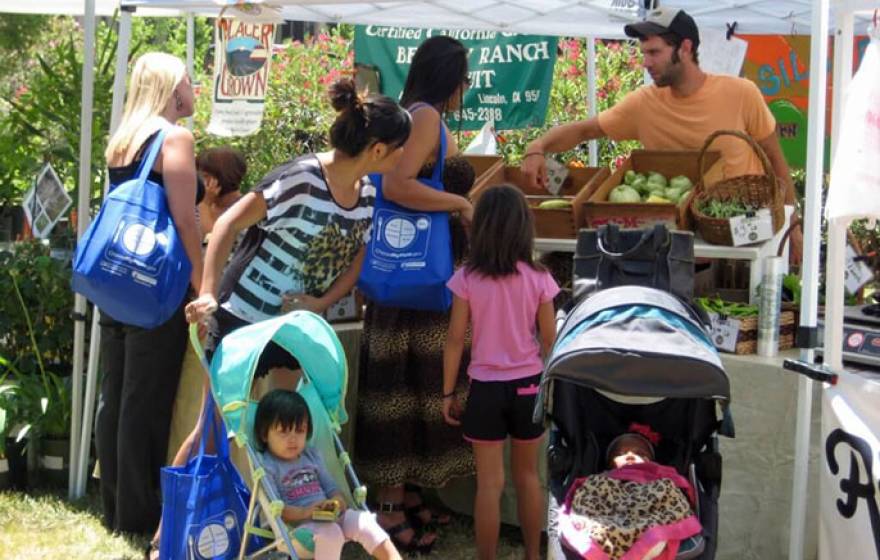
{"points": [[141, 367]]}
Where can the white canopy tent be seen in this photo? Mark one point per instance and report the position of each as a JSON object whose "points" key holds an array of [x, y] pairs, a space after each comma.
{"points": [[590, 18]]}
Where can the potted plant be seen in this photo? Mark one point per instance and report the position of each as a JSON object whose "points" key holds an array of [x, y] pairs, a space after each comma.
{"points": [[5, 477], [19, 457], [38, 304]]}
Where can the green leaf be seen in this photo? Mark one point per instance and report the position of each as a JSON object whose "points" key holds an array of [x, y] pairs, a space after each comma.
{"points": [[23, 432]]}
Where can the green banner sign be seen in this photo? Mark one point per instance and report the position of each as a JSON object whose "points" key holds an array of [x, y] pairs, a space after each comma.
{"points": [[510, 74]]}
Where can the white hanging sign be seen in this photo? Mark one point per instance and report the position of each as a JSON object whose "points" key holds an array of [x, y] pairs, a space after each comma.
{"points": [[857, 273], [720, 55], [45, 202], [242, 57]]}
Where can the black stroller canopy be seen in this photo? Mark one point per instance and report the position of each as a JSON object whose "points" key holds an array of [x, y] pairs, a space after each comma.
{"points": [[638, 341]]}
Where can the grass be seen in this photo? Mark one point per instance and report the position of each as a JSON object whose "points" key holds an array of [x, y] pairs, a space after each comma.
{"points": [[46, 526]]}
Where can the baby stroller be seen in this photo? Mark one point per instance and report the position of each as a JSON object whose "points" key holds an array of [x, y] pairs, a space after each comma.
{"points": [[325, 375], [630, 354]]}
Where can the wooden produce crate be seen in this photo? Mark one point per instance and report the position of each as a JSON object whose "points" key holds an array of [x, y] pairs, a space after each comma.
{"points": [[558, 223], [483, 165], [597, 211]]}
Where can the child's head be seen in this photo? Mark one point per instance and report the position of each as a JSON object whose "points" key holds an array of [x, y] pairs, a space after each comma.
{"points": [[283, 424], [502, 233], [635, 446], [222, 168]]}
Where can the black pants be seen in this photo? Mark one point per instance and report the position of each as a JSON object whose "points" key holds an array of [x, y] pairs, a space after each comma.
{"points": [[140, 373]]}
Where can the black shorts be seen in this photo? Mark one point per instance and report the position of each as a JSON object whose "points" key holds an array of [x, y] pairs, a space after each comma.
{"points": [[497, 409], [273, 356]]}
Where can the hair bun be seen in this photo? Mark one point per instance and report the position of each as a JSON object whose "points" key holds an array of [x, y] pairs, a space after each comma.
{"points": [[343, 95]]}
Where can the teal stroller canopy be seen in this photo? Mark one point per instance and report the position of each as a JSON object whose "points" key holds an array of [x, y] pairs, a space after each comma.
{"points": [[307, 337]]}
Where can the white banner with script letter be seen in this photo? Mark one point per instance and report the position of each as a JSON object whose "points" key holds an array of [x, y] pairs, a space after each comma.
{"points": [[849, 521], [242, 57]]}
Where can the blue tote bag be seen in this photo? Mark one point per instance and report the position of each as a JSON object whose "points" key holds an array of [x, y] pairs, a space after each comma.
{"points": [[205, 502], [130, 262], [409, 256]]}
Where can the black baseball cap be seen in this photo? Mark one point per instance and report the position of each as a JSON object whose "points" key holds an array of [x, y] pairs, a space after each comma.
{"points": [[665, 20]]}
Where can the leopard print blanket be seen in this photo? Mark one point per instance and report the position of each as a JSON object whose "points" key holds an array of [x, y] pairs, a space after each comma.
{"points": [[635, 512]]}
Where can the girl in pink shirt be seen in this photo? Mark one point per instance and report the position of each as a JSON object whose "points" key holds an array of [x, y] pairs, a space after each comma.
{"points": [[504, 295]]}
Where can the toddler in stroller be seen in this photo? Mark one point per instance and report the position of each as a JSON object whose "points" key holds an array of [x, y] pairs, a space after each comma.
{"points": [[312, 500], [313, 343], [636, 509], [635, 354]]}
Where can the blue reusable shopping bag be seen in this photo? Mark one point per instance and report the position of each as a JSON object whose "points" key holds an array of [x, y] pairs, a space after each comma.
{"points": [[409, 256], [205, 502], [130, 262]]}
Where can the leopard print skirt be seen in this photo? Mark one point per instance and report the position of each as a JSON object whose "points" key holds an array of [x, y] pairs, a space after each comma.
{"points": [[400, 433]]}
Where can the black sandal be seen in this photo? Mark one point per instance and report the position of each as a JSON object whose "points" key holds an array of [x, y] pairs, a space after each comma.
{"points": [[412, 546], [414, 513], [152, 546]]}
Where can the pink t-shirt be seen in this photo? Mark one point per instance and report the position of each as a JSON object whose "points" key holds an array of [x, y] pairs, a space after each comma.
{"points": [[504, 313]]}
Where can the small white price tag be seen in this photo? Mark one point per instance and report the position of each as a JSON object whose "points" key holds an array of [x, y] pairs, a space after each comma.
{"points": [[345, 308], [724, 332], [556, 175], [857, 273], [746, 230]]}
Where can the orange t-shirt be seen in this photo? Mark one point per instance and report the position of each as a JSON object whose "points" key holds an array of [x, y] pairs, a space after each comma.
{"points": [[660, 121]]}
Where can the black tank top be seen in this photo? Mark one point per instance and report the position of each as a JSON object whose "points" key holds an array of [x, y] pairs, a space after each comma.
{"points": [[122, 173]]}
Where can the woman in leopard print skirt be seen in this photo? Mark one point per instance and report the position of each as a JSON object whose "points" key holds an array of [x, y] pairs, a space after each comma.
{"points": [[400, 434]]}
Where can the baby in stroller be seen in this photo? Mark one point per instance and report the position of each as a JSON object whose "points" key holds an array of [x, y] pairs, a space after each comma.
{"points": [[311, 497], [638, 509]]}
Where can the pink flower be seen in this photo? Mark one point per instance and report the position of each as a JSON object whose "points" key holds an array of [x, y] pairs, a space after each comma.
{"points": [[572, 71], [323, 37], [619, 161]]}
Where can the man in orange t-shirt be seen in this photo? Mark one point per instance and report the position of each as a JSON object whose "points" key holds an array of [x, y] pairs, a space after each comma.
{"points": [[679, 110]]}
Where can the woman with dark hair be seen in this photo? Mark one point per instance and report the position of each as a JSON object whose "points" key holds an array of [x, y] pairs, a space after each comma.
{"points": [[222, 169], [309, 219], [399, 390]]}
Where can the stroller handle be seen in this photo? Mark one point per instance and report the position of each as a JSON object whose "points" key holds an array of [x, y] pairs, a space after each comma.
{"points": [[817, 372]]}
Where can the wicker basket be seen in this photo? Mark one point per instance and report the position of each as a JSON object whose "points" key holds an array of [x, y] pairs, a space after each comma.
{"points": [[762, 191], [747, 336]]}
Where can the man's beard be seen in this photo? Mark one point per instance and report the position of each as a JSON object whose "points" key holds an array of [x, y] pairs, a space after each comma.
{"points": [[671, 75]]}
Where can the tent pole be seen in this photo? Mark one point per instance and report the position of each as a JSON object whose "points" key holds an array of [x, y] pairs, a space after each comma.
{"points": [[592, 105], [121, 70], [84, 194], [810, 270], [190, 52], [835, 261]]}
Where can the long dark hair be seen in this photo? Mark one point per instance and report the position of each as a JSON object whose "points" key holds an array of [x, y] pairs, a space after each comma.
{"points": [[361, 122], [502, 234], [438, 68]]}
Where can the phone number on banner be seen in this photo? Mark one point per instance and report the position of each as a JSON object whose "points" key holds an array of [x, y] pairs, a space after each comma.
{"points": [[479, 114]]}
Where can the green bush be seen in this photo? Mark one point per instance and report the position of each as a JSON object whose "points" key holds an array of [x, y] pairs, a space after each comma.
{"points": [[31, 280]]}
